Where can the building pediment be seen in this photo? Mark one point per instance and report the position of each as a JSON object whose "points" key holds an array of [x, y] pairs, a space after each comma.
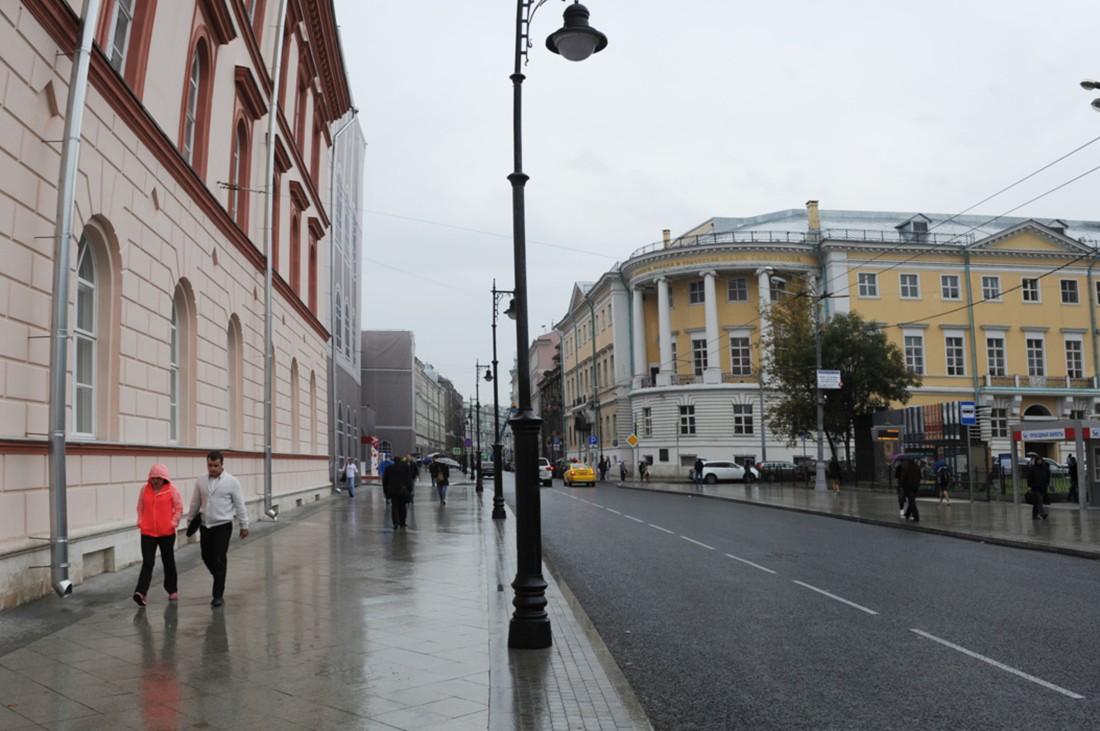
{"points": [[1030, 237]]}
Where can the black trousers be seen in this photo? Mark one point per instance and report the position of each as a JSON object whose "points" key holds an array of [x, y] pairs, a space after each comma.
{"points": [[400, 511], [149, 546], [911, 503], [214, 543]]}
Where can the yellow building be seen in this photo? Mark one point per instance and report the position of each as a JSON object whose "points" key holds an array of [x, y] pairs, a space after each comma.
{"points": [[666, 346]]}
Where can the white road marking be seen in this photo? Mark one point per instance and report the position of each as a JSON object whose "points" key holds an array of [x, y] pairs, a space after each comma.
{"points": [[636, 520], [666, 530], [1002, 666], [690, 540], [616, 512], [582, 500], [839, 599], [595, 505], [750, 563]]}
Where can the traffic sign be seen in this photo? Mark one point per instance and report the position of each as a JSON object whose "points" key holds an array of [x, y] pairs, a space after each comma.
{"points": [[592, 440], [632, 440], [828, 379], [968, 415]]}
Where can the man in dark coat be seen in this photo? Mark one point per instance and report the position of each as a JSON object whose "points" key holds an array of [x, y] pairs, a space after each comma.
{"points": [[910, 482], [1038, 479], [397, 486]]}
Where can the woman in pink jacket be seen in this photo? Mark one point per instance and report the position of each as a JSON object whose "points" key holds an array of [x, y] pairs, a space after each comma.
{"points": [[159, 510]]}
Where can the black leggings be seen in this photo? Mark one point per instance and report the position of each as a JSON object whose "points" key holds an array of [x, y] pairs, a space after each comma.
{"points": [[149, 546]]}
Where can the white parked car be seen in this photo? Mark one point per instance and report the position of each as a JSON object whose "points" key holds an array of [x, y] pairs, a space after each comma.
{"points": [[546, 472], [717, 470]]}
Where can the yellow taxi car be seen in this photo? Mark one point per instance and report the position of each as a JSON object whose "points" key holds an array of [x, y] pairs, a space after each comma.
{"points": [[579, 472]]}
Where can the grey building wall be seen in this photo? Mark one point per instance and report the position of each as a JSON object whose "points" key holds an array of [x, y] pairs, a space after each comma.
{"points": [[388, 379]]}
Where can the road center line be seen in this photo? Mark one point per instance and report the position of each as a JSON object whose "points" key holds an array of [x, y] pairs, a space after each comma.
{"points": [[834, 596], [750, 563], [1002, 666], [690, 540], [631, 517], [596, 505], [666, 530], [616, 512]]}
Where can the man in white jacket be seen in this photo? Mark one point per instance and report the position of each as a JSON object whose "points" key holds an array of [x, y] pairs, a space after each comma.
{"points": [[218, 496]]}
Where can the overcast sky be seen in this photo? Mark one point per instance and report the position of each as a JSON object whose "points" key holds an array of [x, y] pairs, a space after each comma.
{"points": [[695, 109]]}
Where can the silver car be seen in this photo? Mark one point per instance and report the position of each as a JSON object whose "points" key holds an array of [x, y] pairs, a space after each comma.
{"points": [[723, 471], [546, 472]]}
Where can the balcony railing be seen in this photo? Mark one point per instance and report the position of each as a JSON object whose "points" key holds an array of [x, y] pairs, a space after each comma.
{"points": [[802, 237], [1019, 380]]}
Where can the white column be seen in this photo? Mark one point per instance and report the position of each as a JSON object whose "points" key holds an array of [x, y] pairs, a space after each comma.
{"points": [[713, 372], [641, 364], [664, 335]]}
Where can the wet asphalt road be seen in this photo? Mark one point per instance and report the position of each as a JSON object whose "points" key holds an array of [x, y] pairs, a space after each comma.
{"points": [[725, 616]]}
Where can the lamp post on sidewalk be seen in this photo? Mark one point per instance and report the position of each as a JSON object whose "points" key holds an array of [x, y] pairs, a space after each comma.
{"points": [[530, 625], [498, 468], [478, 487]]}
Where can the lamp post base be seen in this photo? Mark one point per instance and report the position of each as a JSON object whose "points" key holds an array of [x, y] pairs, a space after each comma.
{"points": [[530, 625]]}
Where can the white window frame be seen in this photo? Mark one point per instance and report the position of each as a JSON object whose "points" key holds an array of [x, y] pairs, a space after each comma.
{"points": [[1070, 292], [174, 376], [914, 351], [740, 354], [697, 292], [950, 287], [737, 289], [742, 419], [909, 286], [1035, 347], [121, 26], [1075, 356], [647, 421], [991, 288], [687, 419], [85, 342], [1030, 292], [191, 111], [868, 285], [996, 355], [698, 355], [954, 352]]}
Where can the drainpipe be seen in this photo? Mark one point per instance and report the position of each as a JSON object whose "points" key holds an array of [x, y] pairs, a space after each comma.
{"points": [[269, 201], [59, 328], [1092, 321], [333, 324], [973, 333]]}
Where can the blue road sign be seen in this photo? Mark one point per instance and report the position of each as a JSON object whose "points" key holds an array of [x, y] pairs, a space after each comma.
{"points": [[968, 415]]}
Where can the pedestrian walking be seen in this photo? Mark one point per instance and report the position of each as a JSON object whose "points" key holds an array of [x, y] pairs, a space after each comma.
{"points": [[351, 474], [899, 467], [384, 465], [622, 470], [910, 483], [835, 473], [218, 497], [159, 509], [697, 471], [1071, 465], [1038, 480], [643, 471], [442, 481], [944, 477], [396, 488]]}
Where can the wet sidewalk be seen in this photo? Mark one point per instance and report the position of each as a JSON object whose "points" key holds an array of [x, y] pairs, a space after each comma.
{"points": [[1068, 530], [332, 620]]}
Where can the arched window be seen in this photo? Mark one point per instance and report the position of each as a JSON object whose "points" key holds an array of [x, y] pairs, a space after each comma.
{"points": [[191, 107], [295, 409], [312, 413], [337, 322], [84, 338], [238, 177], [119, 40], [337, 448], [233, 382], [347, 328], [174, 376]]}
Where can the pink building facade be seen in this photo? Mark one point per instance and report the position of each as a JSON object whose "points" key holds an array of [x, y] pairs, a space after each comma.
{"points": [[167, 276]]}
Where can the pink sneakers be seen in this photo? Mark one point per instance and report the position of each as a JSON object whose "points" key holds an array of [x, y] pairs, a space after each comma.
{"points": [[173, 596]]}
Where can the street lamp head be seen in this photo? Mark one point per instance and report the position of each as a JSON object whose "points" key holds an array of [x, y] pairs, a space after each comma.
{"points": [[511, 311], [1096, 104], [576, 40], [489, 374], [1090, 85]]}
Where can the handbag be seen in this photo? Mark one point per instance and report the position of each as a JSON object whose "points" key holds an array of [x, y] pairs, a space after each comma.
{"points": [[405, 495], [1029, 496], [193, 524]]}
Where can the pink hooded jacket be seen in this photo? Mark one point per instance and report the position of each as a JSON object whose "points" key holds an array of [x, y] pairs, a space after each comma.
{"points": [[159, 513]]}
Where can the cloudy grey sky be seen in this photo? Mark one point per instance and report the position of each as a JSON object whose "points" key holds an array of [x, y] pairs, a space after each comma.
{"points": [[695, 109]]}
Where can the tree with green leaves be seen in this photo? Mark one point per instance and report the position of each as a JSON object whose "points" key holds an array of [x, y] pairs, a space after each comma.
{"points": [[872, 370]]}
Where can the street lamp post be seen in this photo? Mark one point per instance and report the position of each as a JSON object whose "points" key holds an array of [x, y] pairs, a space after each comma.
{"points": [[530, 625], [498, 478], [819, 472], [478, 487]]}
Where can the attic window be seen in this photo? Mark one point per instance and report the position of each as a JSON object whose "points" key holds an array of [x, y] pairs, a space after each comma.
{"points": [[919, 227], [1058, 227]]}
